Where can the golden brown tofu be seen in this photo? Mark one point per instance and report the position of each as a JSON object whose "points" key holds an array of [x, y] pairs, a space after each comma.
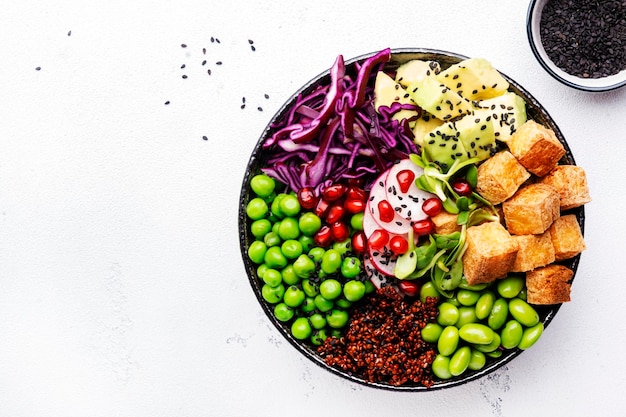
{"points": [[532, 209], [567, 238], [490, 253], [534, 251], [536, 148], [445, 223], [500, 176], [570, 182], [549, 285]]}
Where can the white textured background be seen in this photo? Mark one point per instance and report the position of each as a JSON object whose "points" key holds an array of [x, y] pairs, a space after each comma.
{"points": [[122, 291]]}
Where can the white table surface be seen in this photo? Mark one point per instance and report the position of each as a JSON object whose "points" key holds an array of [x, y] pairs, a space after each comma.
{"points": [[122, 290]]}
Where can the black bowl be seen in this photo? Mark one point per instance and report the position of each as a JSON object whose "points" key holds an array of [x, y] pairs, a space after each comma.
{"points": [[259, 155]]}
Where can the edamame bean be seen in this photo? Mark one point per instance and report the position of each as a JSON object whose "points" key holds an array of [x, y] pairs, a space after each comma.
{"points": [[523, 312], [485, 304], [530, 336], [331, 261], [460, 360], [476, 333], [448, 314], [477, 360], [467, 297], [498, 315], [510, 286], [257, 208], [494, 354], [431, 332], [467, 314], [441, 367], [495, 344], [428, 290], [511, 334], [448, 340], [476, 287], [256, 251]]}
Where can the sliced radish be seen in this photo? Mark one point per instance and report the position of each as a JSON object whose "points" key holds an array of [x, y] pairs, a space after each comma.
{"points": [[406, 198], [384, 260], [398, 225], [376, 277]]}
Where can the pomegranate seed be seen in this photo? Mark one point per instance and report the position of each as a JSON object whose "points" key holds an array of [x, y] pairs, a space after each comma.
{"points": [[398, 245], [424, 227], [356, 193], [405, 179], [335, 213], [359, 242], [323, 237], [322, 208], [307, 198], [354, 206], [385, 211], [378, 239], [432, 206], [410, 288], [334, 192], [462, 187], [339, 231]]}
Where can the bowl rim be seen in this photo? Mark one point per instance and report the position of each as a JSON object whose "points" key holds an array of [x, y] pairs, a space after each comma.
{"points": [[547, 313], [597, 85]]}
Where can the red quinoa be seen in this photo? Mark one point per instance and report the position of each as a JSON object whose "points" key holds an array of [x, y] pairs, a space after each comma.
{"points": [[383, 342]]}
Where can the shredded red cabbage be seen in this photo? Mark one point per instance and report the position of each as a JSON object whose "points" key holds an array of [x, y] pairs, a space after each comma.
{"points": [[334, 133]]}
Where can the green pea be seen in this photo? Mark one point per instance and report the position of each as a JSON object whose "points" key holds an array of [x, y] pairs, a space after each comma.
{"points": [[260, 271], [272, 239], [523, 312], [274, 258], [467, 297], [294, 296], [307, 242], [291, 248], [343, 247], [351, 267], [460, 360], [335, 333], [303, 266], [448, 314], [262, 185], [283, 312], [369, 287], [485, 304], [441, 367], [431, 332], [257, 208], [256, 251], [476, 333], [301, 328], [289, 205], [477, 361], [288, 228], [510, 286], [317, 253], [289, 275], [330, 289], [448, 340], [495, 344], [530, 336], [309, 223], [318, 337], [511, 334], [272, 277], [498, 315], [323, 304], [318, 321], [343, 303], [260, 228], [428, 290], [353, 290], [337, 318], [308, 305], [356, 221], [310, 289], [272, 295], [275, 226], [467, 314], [331, 261], [275, 207]]}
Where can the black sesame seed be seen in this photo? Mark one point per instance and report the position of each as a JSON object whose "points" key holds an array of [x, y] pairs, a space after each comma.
{"points": [[69, 33], [205, 138], [204, 62], [209, 71], [167, 102], [259, 108], [182, 66], [218, 63], [266, 96], [253, 48], [184, 77], [182, 45], [37, 68], [250, 41]]}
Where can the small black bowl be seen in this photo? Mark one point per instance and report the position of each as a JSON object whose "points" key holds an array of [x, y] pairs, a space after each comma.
{"points": [[533, 20], [259, 155]]}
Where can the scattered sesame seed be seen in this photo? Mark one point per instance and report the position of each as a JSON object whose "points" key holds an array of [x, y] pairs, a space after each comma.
{"points": [[259, 108], [217, 40], [212, 39], [184, 77], [204, 51], [243, 106], [182, 66], [253, 48], [167, 102], [69, 33], [37, 68], [218, 63], [204, 62], [243, 99], [182, 45], [250, 41], [266, 96], [209, 71], [205, 138]]}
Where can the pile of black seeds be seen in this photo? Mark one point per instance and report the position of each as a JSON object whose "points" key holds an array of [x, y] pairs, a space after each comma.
{"points": [[585, 38]]}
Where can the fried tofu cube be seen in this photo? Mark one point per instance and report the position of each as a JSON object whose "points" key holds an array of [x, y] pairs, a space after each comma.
{"points": [[534, 251], [500, 176], [548, 285], [532, 209], [445, 223], [490, 253], [567, 238], [570, 182], [536, 147]]}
